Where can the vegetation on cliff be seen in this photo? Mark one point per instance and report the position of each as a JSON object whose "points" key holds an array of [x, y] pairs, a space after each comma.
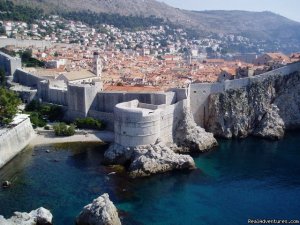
{"points": [[9, 102]]}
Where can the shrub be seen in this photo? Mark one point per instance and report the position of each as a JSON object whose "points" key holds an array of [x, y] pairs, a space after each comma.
{"points": [[62, 129], [37, 120], [34, 105], [46, 127], [49, 111], [89, 123]]}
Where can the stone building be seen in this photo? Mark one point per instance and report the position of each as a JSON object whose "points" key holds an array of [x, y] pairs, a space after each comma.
{"points": [[9, 63], [274, 60]]}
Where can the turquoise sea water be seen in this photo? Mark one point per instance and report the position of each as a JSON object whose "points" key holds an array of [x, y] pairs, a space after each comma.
{"points": [[239, 180]]}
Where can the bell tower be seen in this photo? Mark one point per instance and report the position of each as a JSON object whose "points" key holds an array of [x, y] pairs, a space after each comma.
{"points": [[97, 65]]}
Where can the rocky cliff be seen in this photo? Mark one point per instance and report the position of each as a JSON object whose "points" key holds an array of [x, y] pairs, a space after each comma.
{"points": [[265, 108], [189, 137]]}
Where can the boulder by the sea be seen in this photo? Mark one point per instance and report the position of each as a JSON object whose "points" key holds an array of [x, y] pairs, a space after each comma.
{"points": [[118, 154], [100, 212], [145, 160], [40, 216], [190, 137], [158, 158]]}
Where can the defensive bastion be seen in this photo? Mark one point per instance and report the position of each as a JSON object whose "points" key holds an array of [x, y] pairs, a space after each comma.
{"points": [[136, 118]]}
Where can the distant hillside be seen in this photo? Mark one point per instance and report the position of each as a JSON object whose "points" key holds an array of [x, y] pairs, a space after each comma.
{"points": [[255, 25], [258, 25]]}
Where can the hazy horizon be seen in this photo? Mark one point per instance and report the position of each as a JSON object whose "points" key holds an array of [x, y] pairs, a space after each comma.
{"points": [[286, 8]]}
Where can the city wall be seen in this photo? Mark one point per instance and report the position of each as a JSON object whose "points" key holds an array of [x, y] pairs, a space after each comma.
{"points": [[138, 118], [199, 92], [141, 124], [14, 140], [26, 79], [29, 43], [9, 64]]}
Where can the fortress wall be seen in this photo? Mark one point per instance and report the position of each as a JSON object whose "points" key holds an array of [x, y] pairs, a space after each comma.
{"points": [[5, 63], [58, 96], [14, 140], [106, 101], [9, 63], [27, 79], [24, 43], [141, 126], [76, 102], [15, 63], [149, 98], [80, 99], [107, 118], [199, 94], [236, 84], [180, 93], [42, 90], [136, 126], [171, 97], [170, 117]]}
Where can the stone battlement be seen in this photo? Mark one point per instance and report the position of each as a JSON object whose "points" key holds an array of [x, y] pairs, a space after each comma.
{"points": [[138, 118], [201, 91]]}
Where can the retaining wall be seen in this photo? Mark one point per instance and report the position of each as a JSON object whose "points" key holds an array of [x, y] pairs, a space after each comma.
{"points": [[14, 140]]}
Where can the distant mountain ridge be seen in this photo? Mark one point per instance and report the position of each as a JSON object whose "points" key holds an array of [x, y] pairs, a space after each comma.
{"points": [[255, 25]]}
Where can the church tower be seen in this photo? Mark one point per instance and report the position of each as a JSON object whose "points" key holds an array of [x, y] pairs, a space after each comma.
{"points": [[97, 65]]}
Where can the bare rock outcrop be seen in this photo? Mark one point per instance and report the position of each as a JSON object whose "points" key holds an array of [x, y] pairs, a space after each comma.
{"points": [[266, 108], [145, 160], [158, 158], [271, 125], [190, 137], [100, 212], [118, 154], [40, 216]]}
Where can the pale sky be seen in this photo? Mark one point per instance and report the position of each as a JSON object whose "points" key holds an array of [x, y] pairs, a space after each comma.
{"points": [[287, 8]]}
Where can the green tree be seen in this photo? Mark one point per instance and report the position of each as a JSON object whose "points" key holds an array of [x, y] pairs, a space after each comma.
{"points": [[9, 102], [2, 77]]}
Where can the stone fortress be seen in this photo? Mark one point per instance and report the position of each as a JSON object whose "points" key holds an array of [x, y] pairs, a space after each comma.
{"points": [[139, 119], [123, 110]]}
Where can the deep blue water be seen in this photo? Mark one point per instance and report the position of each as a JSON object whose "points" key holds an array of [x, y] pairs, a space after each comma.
{"points": [[239, 180]]}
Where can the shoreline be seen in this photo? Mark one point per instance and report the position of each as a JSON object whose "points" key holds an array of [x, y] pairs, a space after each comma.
{"points": [[44, 137]]}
